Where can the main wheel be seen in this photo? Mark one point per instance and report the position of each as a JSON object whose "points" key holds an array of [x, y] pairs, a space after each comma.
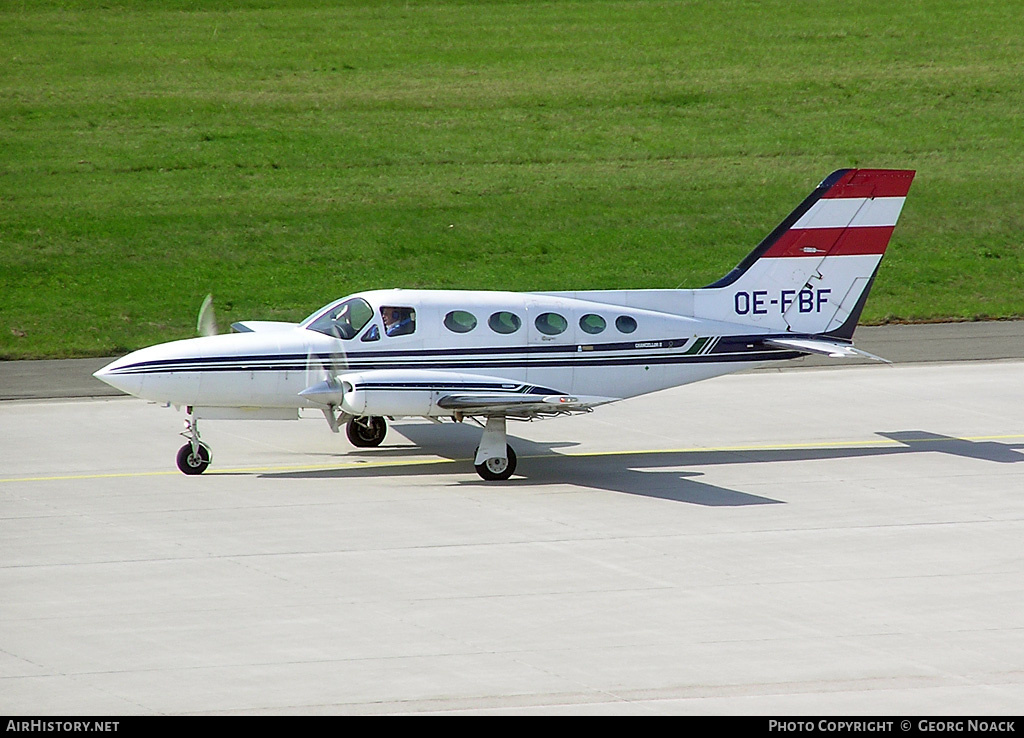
{"points": [[366, 432], [194, 463], [496, 470]]}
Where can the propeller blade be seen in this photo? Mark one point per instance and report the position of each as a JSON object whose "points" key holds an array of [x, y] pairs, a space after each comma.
{"points": [[315, 370], [206, 325], [322, 374]]}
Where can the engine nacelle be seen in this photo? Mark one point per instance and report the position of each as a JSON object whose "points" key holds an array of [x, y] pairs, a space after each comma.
{"points": [[406, 392], [388, 396]]}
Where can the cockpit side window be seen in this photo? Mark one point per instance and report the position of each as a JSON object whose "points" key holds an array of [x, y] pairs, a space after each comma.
{"points": [[344, 320], [398, 321]]}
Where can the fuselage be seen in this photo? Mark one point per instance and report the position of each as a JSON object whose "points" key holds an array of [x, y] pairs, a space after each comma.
{"points": [[550, 343]]}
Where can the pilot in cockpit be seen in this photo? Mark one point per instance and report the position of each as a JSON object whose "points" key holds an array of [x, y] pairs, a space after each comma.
{"points": [[398, 321]]}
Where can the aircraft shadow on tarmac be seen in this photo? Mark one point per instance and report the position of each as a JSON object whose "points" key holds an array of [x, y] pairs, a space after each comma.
{"points": [[655, 474]]}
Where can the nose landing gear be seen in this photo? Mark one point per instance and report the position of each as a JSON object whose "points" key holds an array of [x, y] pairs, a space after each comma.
{"points": [[194, 457]]}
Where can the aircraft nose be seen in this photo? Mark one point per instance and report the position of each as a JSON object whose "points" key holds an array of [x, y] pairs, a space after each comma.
{"points": [[117, 376]]}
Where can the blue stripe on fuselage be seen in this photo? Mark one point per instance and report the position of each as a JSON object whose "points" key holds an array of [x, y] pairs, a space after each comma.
{"points": [[727, 349]]}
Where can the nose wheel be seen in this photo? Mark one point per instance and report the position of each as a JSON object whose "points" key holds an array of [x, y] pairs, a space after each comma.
{"points": [[194, 462], [194, 457]]}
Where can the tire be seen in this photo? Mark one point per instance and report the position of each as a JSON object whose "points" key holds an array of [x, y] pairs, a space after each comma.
{"points": [[497, 470], [190, 463], [366, 432]]}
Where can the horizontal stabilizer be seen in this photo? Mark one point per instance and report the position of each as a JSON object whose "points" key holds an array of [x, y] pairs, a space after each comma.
{"points": [[835, 349]]}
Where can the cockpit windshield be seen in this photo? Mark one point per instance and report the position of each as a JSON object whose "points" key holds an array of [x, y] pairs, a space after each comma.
{"points": [[344, 320]]}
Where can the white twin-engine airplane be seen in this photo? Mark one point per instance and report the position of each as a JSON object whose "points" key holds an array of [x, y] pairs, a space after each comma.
{"points": [[490, 356]]}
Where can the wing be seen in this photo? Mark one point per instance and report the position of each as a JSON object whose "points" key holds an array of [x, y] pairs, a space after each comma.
{"points": [[424, 392]]}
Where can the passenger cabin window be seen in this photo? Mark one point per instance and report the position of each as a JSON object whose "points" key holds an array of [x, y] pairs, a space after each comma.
{"points": [[551, 324], [625, 324], [459, 321], [398, 321], [344, 320], [504, 322], [592, 324]]}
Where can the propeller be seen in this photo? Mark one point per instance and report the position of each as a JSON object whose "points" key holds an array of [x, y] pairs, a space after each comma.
{"points": [[206, 325], [323, 385]]}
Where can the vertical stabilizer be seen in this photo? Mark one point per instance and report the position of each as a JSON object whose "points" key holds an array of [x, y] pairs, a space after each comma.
{"points": [[812, 274]]}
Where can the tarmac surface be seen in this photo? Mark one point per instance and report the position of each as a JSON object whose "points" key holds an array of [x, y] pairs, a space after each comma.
{"points": [[804, 542]]}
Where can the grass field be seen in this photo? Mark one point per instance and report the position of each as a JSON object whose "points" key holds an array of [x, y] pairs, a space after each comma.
{"points": [[282, 154]]}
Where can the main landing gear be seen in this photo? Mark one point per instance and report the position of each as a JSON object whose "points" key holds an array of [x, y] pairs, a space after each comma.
{"points": [[194, 457], [495, 460], [366, 432], [497, 469]]}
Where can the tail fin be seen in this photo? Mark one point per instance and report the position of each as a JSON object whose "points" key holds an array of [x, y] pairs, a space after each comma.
{"points": [[812, 274]]}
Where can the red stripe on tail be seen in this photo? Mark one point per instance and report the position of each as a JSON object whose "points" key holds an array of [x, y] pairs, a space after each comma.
{"points": [[831, 242], [872, 183]]}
